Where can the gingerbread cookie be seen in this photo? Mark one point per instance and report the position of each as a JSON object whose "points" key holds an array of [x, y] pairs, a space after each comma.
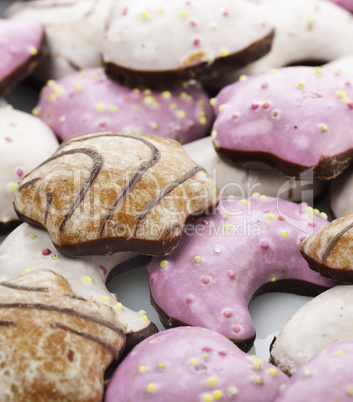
{"points": [[74, 32], [205, 364], [319, 323], [242, 182], [293, 119], [20, 52], [211, 37], [55, 345], [88, 101], [106, 192], [25, 142], [248, 247], [28, 248], [326, 377], [329, 251]]}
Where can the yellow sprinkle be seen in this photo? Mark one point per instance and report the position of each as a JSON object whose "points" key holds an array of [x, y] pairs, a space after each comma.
{"points": [[273, 279], [50, 83], [214, 134], [118, 306], [151, 387], [323, 127], [227, 227], [181, 114], [161, 10], [161, 366], [2, 280], [346, 100], [200, 102], [163, 263], [205, 356], [139, 131], [306, 373], [243, 201], [82, 73], [148, 99], [301, 85], [122, 35], [166, 94], [212, 381], [203, 121], [184, 13], [324, 214], [93, 75], [185, 84], [145, 15], [224, 52], [32, 236], [26, 271], [341, 94], [212, 101], [285, 233], [113, 108], [258, 380], [78, 88], [255, 194], [33, 50], [221, 107], [338, 352], [263, 197], [147, 91], [218, 394], [193, 361], [197, 259], [125, 324], [318, 70], [270, 216], [233, 391], [142, 369], [87, 278], [144, 318], [243, 77], [184, 95], [350, 390], [104, 298], [9, 107], [142, 311], [225, 217], [68, 279], [137, 106], [207, 398], [35, 111], [309, 208], [258, 364], [316, 210], [13, 186], [100, 107], [154, 125], [214, 26], [62, 118], [273, 70], [273, 371], [282, 387], [173, 106], [57, 89], [54, 257]]}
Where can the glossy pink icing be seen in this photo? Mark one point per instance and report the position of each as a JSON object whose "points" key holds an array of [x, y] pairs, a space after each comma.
{"points": [[19, 41], [325, 377], [89, 101], [222, 260], [298, 114], [347, 4], [192, 364]]}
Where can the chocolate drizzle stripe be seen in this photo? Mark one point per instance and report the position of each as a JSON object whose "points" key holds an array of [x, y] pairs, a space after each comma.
{"points": [[73, 296], [333, 241], [49, 199], [171, 230], [165, 191], [88, 336], [7, 323], [25, 288], [28, 183], [63, 310]]}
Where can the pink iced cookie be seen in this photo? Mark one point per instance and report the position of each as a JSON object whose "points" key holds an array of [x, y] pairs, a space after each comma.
{"points": [[326, 377], [192, 364], [20, 51], [89, 101], [292, 119], [249, 246], [347, 4]]}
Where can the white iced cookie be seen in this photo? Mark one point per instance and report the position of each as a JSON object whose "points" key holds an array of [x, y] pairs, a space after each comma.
{"points": [[243, 182], [320, 322], [25, 142], [159, 40], [74, 32], [28, 248]]}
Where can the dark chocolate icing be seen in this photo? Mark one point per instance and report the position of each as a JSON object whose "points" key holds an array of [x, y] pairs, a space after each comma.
{"points": [[7, 323], [333, 241], [49, 199], [25, 288]]}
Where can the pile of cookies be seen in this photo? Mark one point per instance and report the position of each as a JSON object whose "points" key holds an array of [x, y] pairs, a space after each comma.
{"points": [[195, 138]]}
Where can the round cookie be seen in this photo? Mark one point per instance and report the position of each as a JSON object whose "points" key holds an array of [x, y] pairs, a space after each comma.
{"points": [[74, 31], [242, 182], [105, 192], [326, 377], [28, 248], [20, 51], [25, 142], [322, 321], [89, 101], [55, 345], [205, 365], [293, 119], [181, 40], [248, 247]]}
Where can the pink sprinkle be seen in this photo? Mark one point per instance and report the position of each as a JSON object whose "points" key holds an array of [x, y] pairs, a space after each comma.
{"points": [[348, 84], [102, 123], [206, 222], [265, 245], [231, 274], [264, 85], [104, 270], [226, 14], [196, 42], [206, 349], [188, 3], [189, 299], [311, 224], [266, 211], [222, 353], [129, 331], [8, 139], [46, 251], [227, 313], [125, 11], [236, 329], [235, 116], [193, 23], [302, 238], [281, 218], [254, 106], [153, 275], [206, 280], [350, 105], [19, 172]]}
